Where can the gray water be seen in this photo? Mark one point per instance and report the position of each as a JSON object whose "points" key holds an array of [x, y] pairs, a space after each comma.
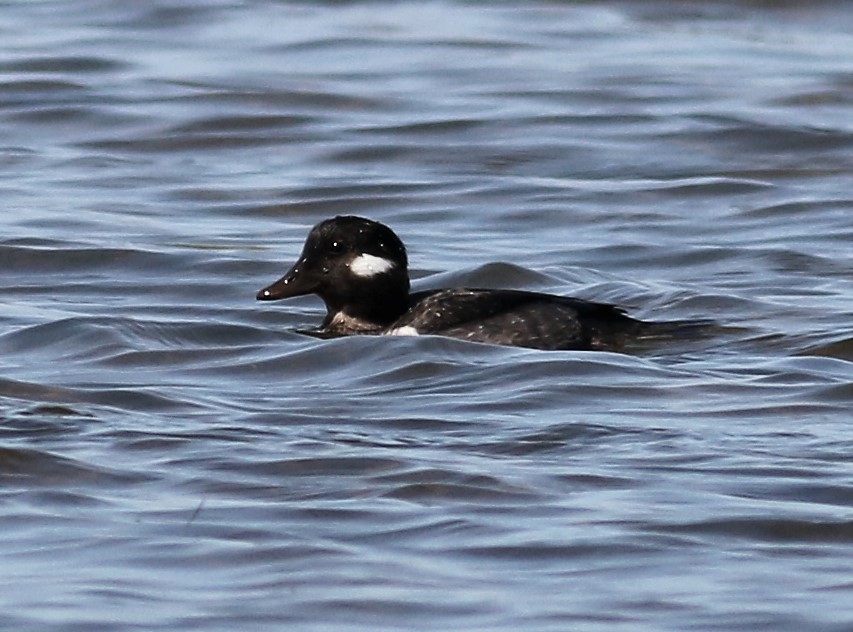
{"points": [[174, 456]]}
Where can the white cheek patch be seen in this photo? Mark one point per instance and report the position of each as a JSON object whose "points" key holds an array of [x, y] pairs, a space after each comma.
{"points": [[365, 265], [408, 330]]}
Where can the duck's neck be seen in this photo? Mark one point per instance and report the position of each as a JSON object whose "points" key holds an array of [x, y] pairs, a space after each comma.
{"points": [[369, 312]]}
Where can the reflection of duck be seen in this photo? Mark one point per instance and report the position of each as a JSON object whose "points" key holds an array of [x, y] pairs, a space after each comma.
{"points": [[360, 270]]}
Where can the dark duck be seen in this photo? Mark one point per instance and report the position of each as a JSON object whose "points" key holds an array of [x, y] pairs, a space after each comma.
{"points": [[359, 268]]}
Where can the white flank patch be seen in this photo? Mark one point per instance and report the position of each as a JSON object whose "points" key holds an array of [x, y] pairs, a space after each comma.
{"points": [[365, 265], [408, 330]]}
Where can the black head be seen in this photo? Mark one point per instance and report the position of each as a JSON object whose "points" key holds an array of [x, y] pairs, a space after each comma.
{"points": [[355, 265]]}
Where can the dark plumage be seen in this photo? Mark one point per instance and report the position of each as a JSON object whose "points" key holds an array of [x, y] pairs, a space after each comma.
{"points": [[360, 269]]}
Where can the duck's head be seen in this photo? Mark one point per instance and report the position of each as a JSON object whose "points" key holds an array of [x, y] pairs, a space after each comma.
{"points": [[357, 266]]}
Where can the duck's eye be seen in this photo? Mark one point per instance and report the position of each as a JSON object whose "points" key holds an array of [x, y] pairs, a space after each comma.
{"points": [[336, 246]]}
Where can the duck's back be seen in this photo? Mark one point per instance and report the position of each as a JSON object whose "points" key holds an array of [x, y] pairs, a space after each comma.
{"points": [[517, 318]]}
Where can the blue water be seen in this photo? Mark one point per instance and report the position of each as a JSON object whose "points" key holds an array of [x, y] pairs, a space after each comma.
{"points": [[173, 455]]}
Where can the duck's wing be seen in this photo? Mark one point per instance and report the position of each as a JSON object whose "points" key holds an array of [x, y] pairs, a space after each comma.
{"points": [[517, 318]]}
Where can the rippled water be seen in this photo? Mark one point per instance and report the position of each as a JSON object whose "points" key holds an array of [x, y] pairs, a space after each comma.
{"points": [[173, 456]]}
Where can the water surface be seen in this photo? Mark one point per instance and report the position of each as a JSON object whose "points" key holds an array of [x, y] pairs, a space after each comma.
{"points": [[174, 456]]}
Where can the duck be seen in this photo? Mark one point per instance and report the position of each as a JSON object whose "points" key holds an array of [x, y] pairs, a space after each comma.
{"points": [[359, 268]]}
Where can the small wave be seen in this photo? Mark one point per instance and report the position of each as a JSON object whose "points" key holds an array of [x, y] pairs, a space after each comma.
{"points": [[762, 529], [40, 467], [840, 349]]}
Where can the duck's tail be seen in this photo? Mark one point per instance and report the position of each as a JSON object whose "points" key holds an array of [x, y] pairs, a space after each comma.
{"points": [[675, 329]]}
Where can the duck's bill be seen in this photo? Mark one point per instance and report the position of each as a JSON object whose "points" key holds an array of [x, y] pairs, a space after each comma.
{"points": [[295, 283]]}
